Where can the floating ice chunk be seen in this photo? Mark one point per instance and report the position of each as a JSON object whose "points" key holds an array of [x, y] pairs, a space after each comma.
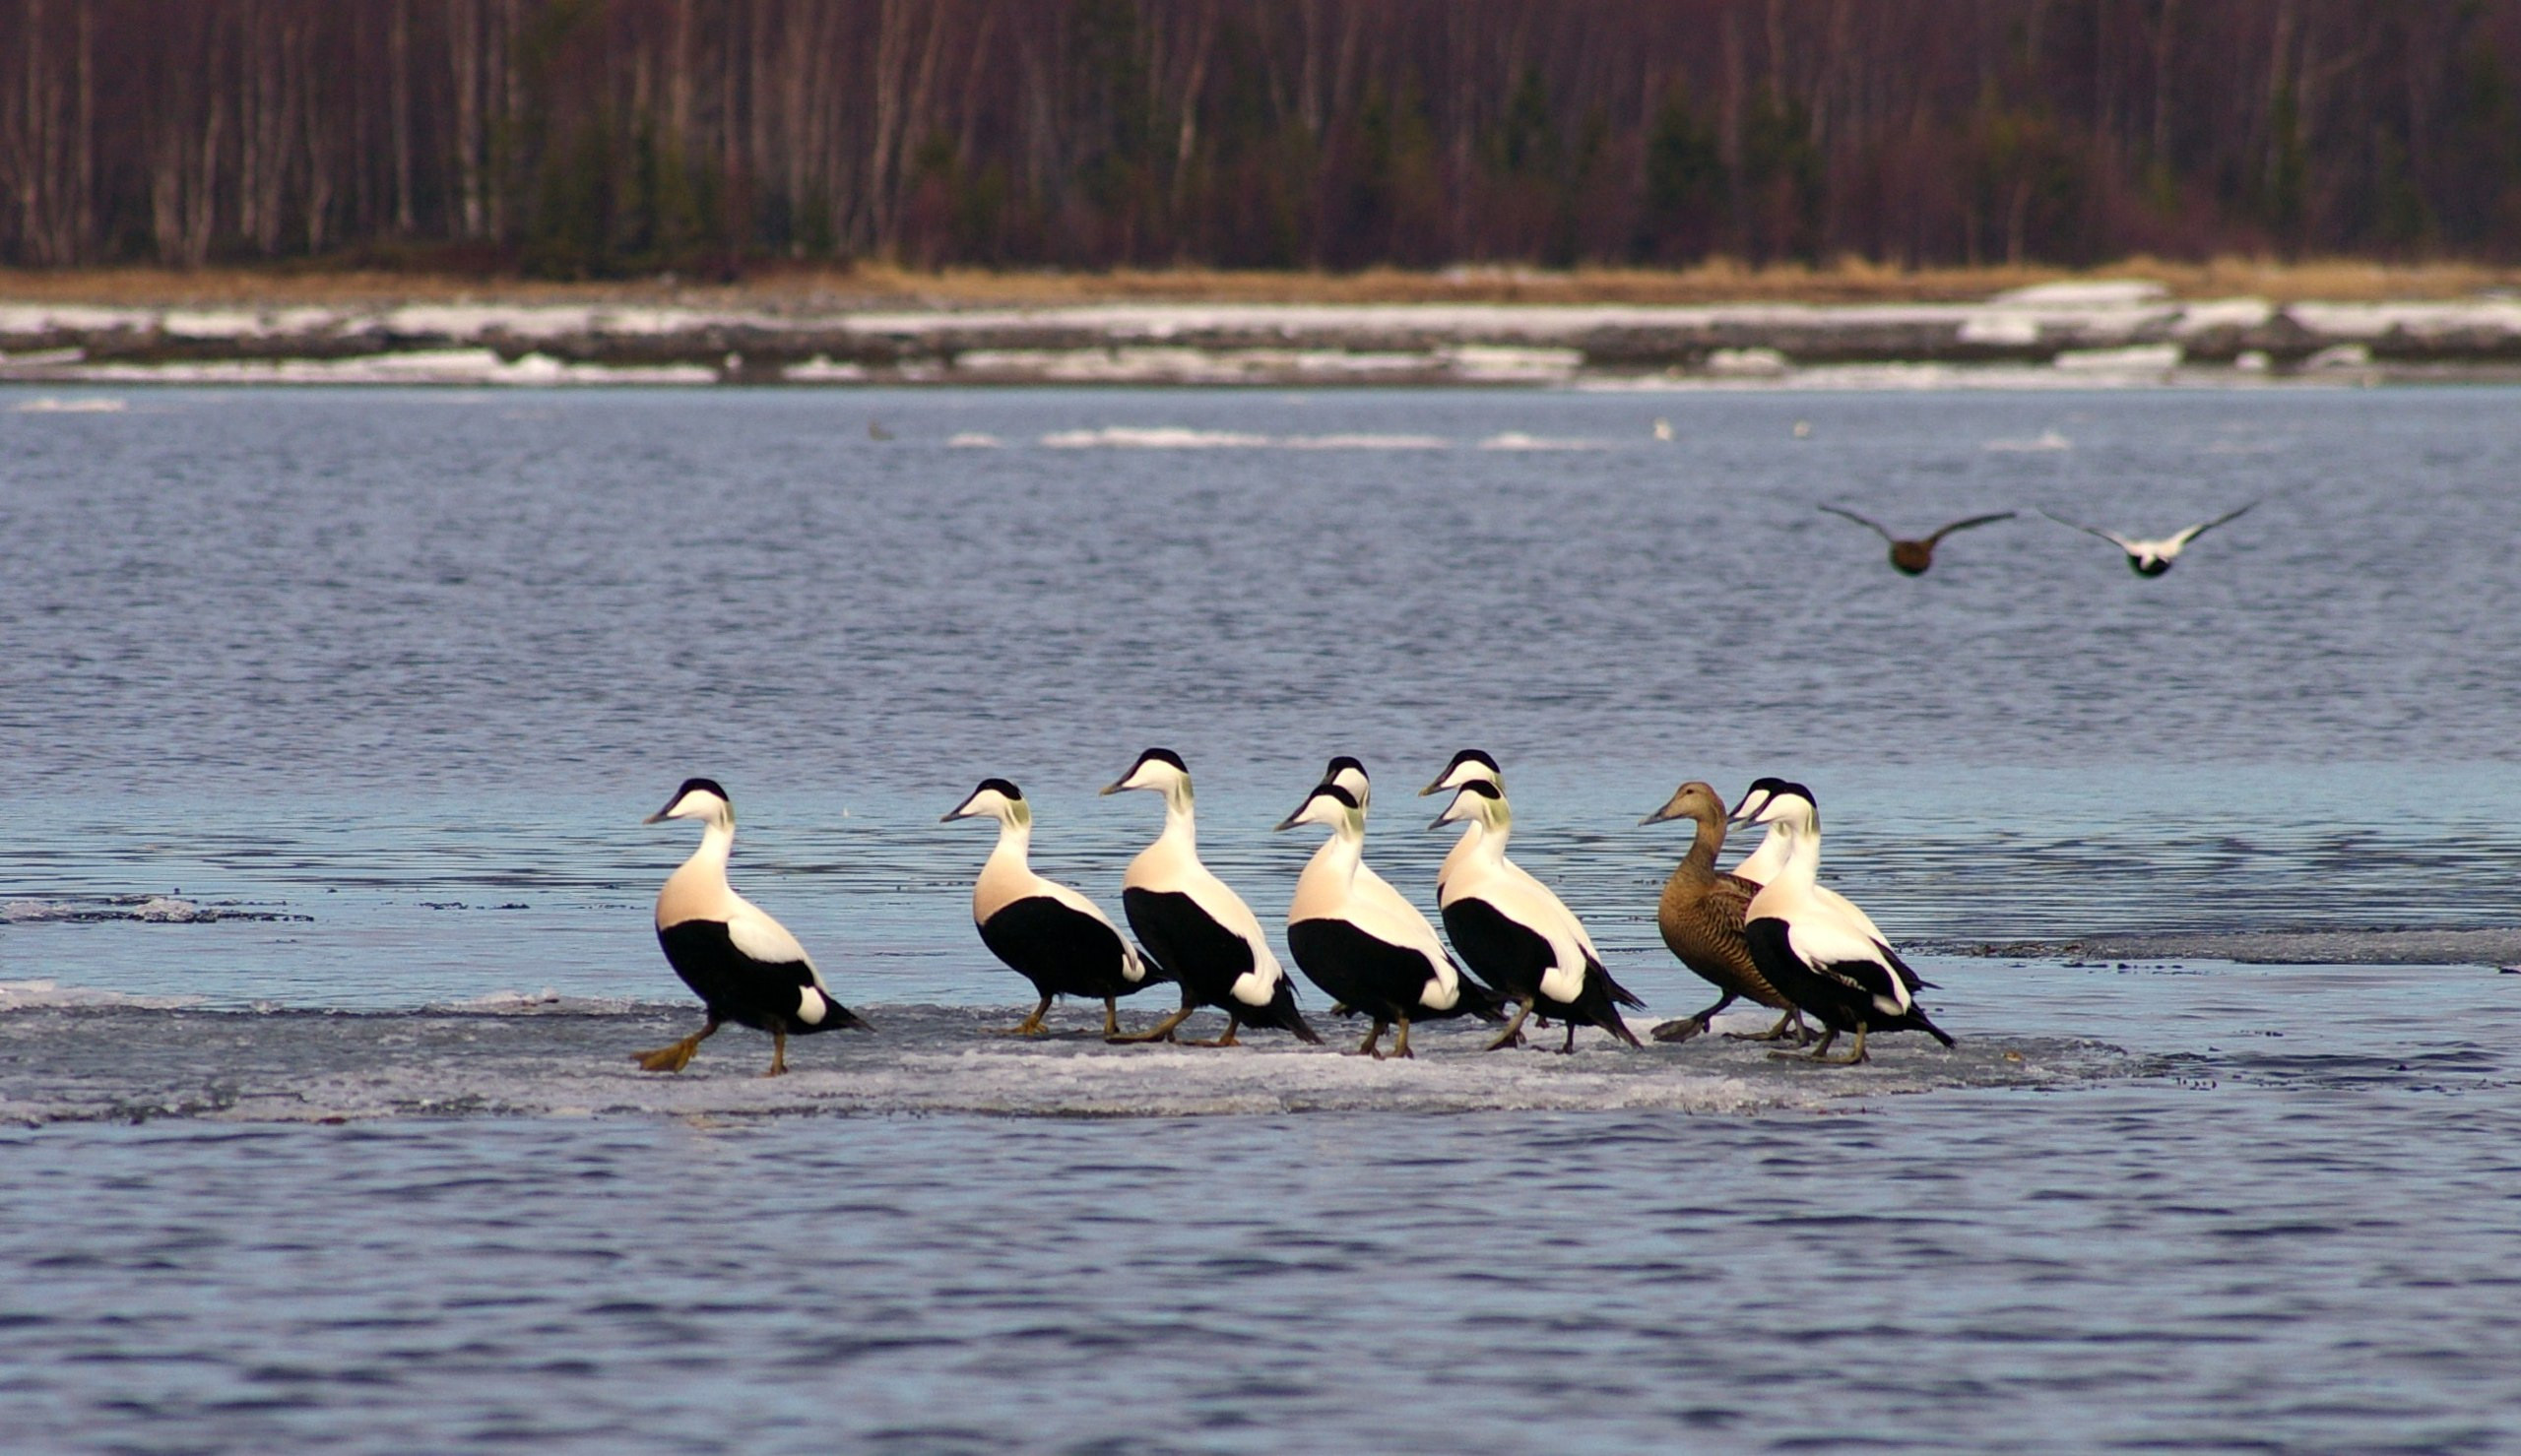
{"points": [[167, 911], [27, 995], [973, 440], [2043, 441], [1156, 437], [1366, 442], [1518, 441], [2341, 356], [77, 405]]}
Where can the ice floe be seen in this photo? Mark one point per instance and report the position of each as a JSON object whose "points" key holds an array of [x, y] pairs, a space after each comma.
{"points": [[533, 1057]]}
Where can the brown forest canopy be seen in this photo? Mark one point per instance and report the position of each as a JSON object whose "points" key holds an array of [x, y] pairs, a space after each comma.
{"points": [[591, 137]]}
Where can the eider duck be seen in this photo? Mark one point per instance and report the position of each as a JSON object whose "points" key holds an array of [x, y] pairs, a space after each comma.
{"points": [[1701, 915], [1046, 932], [1762, 864], [1349, 773], [1823, 959], [1913, 556], [2153, 557], [1520, 937], [745, 966], [1470, 766], [1200, 932], [1383, 965]]}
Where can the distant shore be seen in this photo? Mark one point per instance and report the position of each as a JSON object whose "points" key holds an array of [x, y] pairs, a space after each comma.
{"points": [[1718, 326]]}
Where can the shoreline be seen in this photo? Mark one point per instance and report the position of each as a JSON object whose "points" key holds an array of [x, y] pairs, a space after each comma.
{"points": [[2063, 333]]}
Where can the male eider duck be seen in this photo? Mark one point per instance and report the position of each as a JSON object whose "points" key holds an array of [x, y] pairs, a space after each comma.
{"points": [[1046, 932], [1701, 917], [1913, 556], [1470, 766], [1516, 935], [1349, 773], [1763, 865], [745, 966], [1201, 934], [1382, 964], [2153, 557], [1823, 959]]}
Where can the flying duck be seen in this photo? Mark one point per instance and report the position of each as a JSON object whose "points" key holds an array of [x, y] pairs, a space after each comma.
{"points": [[2153, 557], [1468, 766], [745, 966], [1516, 935], [1046, 932], [1826, 961], [1700, 917], [1201, 934], [1912, 557], [1386, 965]]}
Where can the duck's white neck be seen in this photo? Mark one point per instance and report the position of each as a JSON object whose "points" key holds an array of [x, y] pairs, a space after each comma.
{"points": [[1802, 867], [1181, 833], [1341, 853], [1762, 864], [717, 842], [1014, 842]]}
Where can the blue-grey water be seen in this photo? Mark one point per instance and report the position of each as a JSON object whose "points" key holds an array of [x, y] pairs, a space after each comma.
{"points": [[329, 719]]}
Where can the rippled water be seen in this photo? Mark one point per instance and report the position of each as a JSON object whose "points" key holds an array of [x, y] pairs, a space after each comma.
{"points": [[331, 717]]}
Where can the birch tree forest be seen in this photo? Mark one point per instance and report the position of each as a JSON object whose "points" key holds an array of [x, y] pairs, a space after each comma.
{"points": [[590, 137]]}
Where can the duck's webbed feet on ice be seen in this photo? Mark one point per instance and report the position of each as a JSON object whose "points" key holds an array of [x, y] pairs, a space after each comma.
{"points": [[1817, 1053], [1367, 1047], [1790, 1028], [1856, 1055], [1512, 1035], [676, 1057], [1111, 1017], [1162, 1030], [778, 1052], [1691, 1026], [1030, 1026], [1400, 1040], [1232, 1021]]}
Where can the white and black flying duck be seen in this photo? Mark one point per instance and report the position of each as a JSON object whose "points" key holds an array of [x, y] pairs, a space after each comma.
{"points": [[1379, 962], [1200, 932], [1519, 937], [1470, 766], [2153, 557], [745, 966], [1046, 932], [1701, 915], [1915, 556], [1825, 960]]}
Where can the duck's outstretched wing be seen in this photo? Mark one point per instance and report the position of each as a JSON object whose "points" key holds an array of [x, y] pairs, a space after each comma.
{"points": [[2194, 532], [1937, 537], [1873, 525], [2111, 536]]}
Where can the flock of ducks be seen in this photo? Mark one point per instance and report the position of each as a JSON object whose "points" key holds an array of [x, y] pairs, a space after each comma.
{"points": [[2146, 556], [1767, 930]]}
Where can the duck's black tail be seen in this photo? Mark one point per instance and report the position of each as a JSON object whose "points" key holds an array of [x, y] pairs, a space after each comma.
{"points": [[1917, 1017]]}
